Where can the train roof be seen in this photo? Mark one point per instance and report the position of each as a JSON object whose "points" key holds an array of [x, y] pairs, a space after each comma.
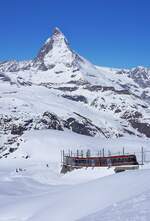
{"points": [[97, 157]]}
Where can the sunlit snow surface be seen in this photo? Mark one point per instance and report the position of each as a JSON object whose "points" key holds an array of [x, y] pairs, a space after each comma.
{"points": [[39, 192], [31, 186]]}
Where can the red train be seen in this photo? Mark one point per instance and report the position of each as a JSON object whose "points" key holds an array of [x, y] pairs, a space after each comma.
{"points": [[70, 162]]}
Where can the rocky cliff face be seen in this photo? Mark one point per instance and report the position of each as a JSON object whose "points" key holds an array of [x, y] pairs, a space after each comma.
{"points": [[61, 90], [54, 52]]}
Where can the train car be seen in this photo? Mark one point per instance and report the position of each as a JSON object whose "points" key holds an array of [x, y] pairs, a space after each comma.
{"points": [[70, 162]]}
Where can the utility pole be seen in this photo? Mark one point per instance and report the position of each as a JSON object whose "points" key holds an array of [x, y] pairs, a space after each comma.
{"points": [[123, 151], [109, 153], [142, 155], [63, 154], [100, 153], [103, 152], [82, 153]]}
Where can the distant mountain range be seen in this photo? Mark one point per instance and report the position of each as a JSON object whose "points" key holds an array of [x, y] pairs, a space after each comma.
{"points": [[61, 90]]}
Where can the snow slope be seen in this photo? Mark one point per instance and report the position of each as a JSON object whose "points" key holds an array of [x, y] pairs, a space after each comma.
{"points": [[32, 188], [135, 208], [59, 100], [101, 199]]}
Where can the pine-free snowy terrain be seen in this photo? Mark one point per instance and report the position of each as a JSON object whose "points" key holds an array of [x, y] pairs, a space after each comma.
{"points": [[32, 188], [59, 100], [61, 90]]}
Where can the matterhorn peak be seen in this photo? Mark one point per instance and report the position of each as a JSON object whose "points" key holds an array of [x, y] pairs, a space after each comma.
{"points": [[55, 50], [57, 35], [57, 31]]}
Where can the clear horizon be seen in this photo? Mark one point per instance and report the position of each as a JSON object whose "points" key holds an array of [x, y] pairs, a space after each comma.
{"points": [[110, 33]]}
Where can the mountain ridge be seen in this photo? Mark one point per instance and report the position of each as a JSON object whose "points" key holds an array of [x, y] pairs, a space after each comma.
{"points": [[61, 90]]}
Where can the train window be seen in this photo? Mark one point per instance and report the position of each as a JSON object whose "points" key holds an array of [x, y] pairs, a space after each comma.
{"points": [[82, 161], [103, 162], [130, 159], [97, 161], [113, 160]]}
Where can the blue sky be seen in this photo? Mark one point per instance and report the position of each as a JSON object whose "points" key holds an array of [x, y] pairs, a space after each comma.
{"points": [[113, 33]]}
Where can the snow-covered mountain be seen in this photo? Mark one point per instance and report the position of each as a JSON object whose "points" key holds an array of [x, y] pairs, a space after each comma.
{"points": [[59, 100], [61, 90]]}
